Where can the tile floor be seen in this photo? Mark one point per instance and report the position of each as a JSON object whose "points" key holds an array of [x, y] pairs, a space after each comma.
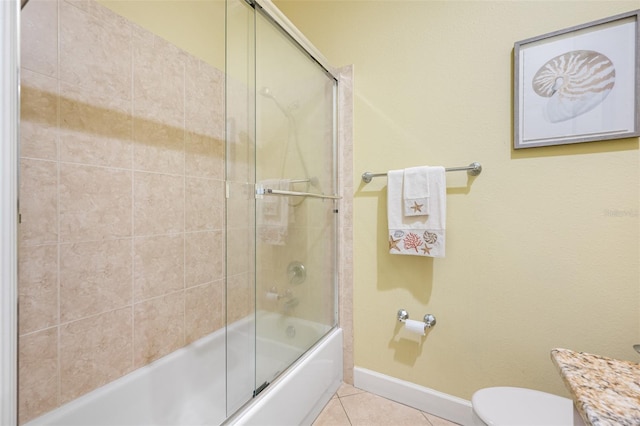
{"points": [[353, 406]]}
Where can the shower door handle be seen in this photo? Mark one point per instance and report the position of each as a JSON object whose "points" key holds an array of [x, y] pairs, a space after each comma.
{"points": [[269, 191]]}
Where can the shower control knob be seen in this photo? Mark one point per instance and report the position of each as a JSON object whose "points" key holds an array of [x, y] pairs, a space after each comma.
{"points": [[296, 272]]}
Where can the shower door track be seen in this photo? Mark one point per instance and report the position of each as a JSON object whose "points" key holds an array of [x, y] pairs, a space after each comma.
{"points": [[270, 11]]}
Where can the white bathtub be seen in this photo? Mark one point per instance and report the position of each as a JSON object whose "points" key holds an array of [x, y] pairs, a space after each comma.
{"points": [[189, 386]]}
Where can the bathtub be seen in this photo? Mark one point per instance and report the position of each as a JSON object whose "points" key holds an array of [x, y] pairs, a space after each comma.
{"points": [[190, 385]]}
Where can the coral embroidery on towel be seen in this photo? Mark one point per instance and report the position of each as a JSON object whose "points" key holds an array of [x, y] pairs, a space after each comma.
{"points": [[417, 207], [415, 243], [412, 241]]}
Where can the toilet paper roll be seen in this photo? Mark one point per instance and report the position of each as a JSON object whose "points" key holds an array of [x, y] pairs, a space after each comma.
{"points": [[414, 326]]}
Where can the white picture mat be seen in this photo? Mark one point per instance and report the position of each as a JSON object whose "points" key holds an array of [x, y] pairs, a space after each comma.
{"points": [[615, 115]]}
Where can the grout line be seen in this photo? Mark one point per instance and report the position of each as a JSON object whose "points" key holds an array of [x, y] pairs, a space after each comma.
{"points": [[358, 391], [425, 416], [125, 237], [345, 410], [50, 327], [133, 168], [95, 315]]}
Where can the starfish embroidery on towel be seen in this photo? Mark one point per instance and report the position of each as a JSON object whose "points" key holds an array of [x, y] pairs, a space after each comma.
{"points": [[393, 244], [416, 207], [426, 249]]}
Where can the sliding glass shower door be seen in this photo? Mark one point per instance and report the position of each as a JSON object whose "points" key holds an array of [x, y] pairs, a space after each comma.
{"points": [[295, 234], [281, 205]]}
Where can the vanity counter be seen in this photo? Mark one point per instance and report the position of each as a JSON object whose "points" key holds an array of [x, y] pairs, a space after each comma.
{"points": [[606, 391]]}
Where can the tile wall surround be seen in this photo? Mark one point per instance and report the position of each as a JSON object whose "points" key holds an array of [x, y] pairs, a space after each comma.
{"points": [[122, 173], [345, 229], [122, 202]]}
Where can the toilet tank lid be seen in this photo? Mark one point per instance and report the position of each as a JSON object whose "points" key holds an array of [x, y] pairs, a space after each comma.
{"points": [[519, 406]]}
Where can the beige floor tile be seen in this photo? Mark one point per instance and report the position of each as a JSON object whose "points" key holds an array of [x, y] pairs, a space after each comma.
{"points": [[438, 421], [332, 415], [346, 390], [366, 409], [353, 406]]}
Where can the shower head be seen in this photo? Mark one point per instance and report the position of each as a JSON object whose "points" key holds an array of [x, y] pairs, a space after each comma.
{"points": [[267, 93]]}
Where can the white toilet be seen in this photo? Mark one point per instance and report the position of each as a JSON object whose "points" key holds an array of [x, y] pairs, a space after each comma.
{"points": [[508, 406]]}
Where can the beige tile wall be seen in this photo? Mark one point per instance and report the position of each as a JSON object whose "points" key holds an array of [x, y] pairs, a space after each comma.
{"points": [[122, 201], [345, 229]]}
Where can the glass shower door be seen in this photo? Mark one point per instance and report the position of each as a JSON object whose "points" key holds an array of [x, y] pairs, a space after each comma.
{"points": [[240, 203], [295, 233], [281, 207]]}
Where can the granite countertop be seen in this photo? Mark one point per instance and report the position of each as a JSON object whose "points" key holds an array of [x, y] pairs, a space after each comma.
{"points": [[605, 391]]}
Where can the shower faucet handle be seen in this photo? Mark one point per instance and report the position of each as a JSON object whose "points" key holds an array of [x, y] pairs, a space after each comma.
{"points": [[274, 294], [296, 272]]}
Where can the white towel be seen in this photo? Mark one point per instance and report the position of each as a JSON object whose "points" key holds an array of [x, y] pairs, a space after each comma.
{"points": [[417, 235], [274, 213], [415, 188]]}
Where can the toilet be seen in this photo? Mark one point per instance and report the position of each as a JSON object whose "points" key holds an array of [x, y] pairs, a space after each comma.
{"points": [[509, 406]]}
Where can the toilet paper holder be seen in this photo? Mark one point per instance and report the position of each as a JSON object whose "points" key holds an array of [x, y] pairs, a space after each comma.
{"points": [[429, 320]]}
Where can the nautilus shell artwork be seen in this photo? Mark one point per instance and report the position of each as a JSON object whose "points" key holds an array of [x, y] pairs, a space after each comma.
{"points": [[575, 82]]}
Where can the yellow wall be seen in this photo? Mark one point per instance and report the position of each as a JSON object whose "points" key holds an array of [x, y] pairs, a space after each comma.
{"points": [[542, 248], [196, 26]]}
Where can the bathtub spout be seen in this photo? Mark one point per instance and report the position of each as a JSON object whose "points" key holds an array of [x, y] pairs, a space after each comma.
{"points": [[274, 294]]}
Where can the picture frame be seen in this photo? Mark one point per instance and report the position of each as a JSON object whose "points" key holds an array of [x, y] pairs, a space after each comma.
{"points": [[579, 84]]}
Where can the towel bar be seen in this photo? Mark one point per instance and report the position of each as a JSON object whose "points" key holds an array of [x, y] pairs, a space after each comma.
{"points": [[474, 169]]}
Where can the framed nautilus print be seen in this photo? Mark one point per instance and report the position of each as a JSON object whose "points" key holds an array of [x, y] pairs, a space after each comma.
{"points": [[580, 84]]}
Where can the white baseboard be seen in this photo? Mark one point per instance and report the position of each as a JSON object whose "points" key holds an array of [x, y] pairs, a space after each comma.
{"points": [[440, 404]]}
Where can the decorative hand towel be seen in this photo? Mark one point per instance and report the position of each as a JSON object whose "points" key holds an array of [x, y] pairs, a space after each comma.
{"points": [[274, 215], [417, 235], [415, 189]]}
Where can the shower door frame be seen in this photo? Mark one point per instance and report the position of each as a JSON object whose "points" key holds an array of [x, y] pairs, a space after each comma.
{"points": [[279, 18], [272, 14], [9, 42]]}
